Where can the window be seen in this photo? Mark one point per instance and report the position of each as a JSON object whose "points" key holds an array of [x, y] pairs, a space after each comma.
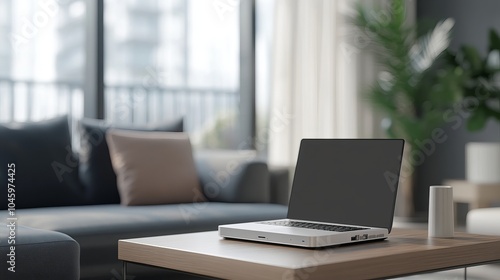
{"points": [[173, 58], [162, 59], [42, 59]]}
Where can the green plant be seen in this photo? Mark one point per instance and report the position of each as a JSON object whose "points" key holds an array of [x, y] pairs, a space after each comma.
{"points": [[481, 82], [414, 87]]}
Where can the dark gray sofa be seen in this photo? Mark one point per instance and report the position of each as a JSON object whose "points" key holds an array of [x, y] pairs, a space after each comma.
{"points": [[239, 188], [97, 228]]}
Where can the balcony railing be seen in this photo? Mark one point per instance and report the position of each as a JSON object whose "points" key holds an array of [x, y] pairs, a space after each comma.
{"points": [[200, 107], [22, 100]]}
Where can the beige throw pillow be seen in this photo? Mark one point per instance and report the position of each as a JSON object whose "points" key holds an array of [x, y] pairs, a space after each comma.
{"points": [[153, 167]]}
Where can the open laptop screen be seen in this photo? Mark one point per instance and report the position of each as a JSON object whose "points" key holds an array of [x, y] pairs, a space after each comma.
{"points": [[348, 181]]}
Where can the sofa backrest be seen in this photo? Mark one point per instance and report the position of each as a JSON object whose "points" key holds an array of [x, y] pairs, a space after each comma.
{"points": [[46, 172]]}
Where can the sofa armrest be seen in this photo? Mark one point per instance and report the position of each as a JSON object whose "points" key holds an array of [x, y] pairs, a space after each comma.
{"points": [[280, 184], [39, 254], [233, 176]]}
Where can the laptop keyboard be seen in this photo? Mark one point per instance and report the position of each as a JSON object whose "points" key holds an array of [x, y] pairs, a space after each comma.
{"points": [[337, 228]]}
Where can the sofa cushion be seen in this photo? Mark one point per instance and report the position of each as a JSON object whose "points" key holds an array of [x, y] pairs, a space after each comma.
{"points": [[153, 167], [95, 170], [46, 171], [39, 254], [95, 221]]}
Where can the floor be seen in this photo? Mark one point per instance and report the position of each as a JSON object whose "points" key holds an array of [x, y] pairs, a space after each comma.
{"points": [[484, 272]]}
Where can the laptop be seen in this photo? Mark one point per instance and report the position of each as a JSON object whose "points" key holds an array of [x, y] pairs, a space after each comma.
{"points": [[344, 191]]}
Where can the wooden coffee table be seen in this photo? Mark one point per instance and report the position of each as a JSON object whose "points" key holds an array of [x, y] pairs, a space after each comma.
{"points": [[405, 252]]}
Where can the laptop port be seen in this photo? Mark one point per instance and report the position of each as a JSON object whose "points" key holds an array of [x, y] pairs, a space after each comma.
{"points": [[354, 238], [363, 237]]}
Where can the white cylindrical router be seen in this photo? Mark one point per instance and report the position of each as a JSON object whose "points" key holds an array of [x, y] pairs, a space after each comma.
{"points": [[441, 216]]}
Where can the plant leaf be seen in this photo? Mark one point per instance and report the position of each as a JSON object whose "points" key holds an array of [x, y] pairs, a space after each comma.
{"points": [[447, 89], [477, 119], [450, 58], [430, 46], [410, 127], [494, 40], [472, 59], [398, 11]]}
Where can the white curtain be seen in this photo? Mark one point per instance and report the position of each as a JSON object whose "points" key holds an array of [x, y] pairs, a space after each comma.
{"points": [[318, 78]]}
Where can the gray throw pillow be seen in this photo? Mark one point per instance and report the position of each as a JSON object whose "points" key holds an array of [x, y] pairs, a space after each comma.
{"points": [[44, 171]]}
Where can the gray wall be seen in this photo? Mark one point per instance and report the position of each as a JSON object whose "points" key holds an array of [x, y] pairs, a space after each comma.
{"points": [[473, 19]]}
